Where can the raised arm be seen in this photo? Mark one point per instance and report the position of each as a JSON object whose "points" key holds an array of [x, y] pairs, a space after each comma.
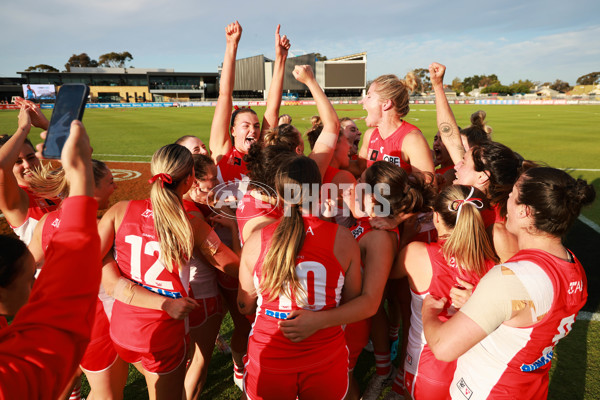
{"points": [[38, 119], [271, 116], [325, 144], [220, 142], [446, 122], [14, 202]]}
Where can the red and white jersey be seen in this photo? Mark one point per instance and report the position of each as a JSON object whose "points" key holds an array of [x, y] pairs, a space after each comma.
{"points": [[253, 206], [420, 362], [390, 149], [203, 275], [322, 277], [514, 362], [137, 253], [492, 215], [37, 208], [443, 170], [363, 226], [231, 166]]}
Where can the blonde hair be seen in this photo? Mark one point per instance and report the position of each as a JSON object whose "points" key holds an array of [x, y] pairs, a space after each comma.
{"points": [[389, 87], [48, 182], [468, 243], [478, 120], [173, 229], [278, 275], [315, 120]]}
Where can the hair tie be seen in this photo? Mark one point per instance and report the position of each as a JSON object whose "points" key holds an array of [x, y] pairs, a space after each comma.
{"points": [[458, 204], [163, 178]]}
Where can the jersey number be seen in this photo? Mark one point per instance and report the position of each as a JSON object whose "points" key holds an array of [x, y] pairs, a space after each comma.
{"points": [[151, 275], [313, 278]]}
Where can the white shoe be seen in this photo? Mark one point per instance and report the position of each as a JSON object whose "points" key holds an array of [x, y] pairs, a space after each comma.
{"points": [[391, 395], [377, 384]]}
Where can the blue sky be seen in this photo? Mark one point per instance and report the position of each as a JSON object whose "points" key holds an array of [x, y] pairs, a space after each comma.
{"points": [[537, 40]]}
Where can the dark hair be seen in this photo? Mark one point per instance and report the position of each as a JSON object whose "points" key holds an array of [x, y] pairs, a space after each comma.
{"points": [[503, 167], [11, 250], [201, 163], [284, 134], [239, 111], [264, 162], [5, 138], [184, 138], [478, 132], [408, 193], [554, 197]]}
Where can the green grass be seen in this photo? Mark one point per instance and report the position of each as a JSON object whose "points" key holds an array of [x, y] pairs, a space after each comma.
{"points": [[575, 372], [560, 136]]}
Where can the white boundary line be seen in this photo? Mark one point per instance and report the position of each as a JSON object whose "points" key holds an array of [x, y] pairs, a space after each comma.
{"points": [[590, 223], [121, 161]]}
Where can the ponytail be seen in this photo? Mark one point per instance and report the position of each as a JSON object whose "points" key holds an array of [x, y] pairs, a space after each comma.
{"points": [[278, 274], [469, 244], [170, 165]]}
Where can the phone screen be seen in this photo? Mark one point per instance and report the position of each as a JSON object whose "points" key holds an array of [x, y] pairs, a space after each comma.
{"points": [[69, 106]]}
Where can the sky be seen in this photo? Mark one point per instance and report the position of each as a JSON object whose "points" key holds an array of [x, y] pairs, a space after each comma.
{"points": [[525, 39]]}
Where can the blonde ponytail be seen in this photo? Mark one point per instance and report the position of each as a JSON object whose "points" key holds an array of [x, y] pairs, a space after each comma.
{"points": [[278, 274], [469, 244], [173, 229]]}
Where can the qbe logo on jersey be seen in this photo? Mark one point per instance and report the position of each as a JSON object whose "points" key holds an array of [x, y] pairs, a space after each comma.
{"points": [[464, 389]]}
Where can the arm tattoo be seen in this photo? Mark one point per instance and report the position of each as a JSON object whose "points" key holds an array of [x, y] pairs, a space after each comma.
{"points": [[446, 129]]}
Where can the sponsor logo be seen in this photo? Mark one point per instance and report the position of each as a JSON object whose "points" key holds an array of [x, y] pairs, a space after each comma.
{"points": [[56, 223], [124, 174], [276, 314], [464, 389], [540, 362], [392, 159], [147, 214], [576, 286], [358, 231]]}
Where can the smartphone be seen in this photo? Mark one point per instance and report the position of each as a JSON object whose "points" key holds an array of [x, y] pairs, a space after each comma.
{"points": [[69, 106]]}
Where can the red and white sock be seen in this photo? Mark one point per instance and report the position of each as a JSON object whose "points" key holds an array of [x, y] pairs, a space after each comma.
{"points": [[383, 363], [398, 385], [76, 393], [393, 332], [238, 371]]}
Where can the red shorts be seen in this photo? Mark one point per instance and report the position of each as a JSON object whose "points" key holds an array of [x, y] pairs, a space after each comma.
{"points": [[206, 308], [327, 381], [160, 362], [100, 354], [226, 281], [357, 337]]}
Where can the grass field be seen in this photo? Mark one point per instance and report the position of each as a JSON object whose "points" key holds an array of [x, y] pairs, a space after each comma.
{"points": [[561, 136]]}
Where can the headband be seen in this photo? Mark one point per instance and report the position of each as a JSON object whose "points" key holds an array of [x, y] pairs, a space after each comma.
{"points": [[164, 178], [458, 204]]}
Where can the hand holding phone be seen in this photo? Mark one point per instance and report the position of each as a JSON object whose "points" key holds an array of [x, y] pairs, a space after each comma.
{"points": [[69, 106]]}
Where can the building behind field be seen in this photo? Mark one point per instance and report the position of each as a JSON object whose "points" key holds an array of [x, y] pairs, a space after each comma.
{"points": [[339, 77]]}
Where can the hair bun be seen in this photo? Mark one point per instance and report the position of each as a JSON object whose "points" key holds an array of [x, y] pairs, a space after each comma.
{"points": [[410, 81], [585, 192]]}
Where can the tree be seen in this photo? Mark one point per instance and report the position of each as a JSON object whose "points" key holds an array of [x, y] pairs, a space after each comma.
{"points": [[457, 85], [320, 57], [592, 78], [80, 60], [561, 86], [488, 80], [523, 86], [497, 88], [423, 81], [115, 60], [476, 81], [42, 68]]}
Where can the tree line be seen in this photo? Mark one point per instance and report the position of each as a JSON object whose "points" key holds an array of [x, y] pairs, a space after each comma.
{"points": [[111, 60], [491, 83]]}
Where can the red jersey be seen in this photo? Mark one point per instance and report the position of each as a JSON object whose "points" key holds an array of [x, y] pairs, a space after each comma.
{"points": [[492, 215], [231, 166], [421, 367], [443, 170], [137, 253], [514, 362], [250, 207], [37, 208], [390, 149], [322, 277], [41, 349]]}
